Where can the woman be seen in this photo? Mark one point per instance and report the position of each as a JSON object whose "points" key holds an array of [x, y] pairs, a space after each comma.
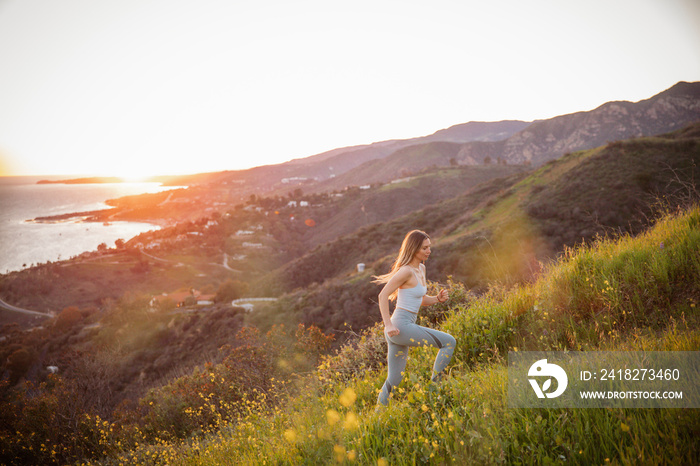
{"points": [[407, 284]]}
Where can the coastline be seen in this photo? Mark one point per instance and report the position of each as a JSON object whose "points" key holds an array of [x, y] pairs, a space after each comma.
{"points": [[90, 215], [104, 216], [42, 223]]}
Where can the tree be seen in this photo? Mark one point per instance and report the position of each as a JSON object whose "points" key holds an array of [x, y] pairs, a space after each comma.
{"points": [[18, 363], [230, 290], [68, 318]]}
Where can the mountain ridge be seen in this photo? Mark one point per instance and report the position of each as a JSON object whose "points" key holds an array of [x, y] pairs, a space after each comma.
{"points": [[506, 141]]}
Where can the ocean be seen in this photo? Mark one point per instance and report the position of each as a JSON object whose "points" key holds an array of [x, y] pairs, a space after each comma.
{"points": [[24, 243]]}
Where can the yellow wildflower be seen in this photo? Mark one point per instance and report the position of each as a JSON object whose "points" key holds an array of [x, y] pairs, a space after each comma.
{"points": [[348, 397], [351, 422], [290, 435], [332, 417]]}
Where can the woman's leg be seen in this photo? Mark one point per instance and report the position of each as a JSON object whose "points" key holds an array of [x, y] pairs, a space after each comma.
{"points": [[446, 343], [415, 335], [396, 358]]}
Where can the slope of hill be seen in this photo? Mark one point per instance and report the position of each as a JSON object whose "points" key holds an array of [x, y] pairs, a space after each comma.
{"points": [[382, 203], [473, 143], [584, 302], [400, 164], [501, 231], [535, 144], [305, 171], [623, 295], [476, 131]]}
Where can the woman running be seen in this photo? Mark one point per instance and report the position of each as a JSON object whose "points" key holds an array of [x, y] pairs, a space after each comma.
{"points": [[407, 285]]}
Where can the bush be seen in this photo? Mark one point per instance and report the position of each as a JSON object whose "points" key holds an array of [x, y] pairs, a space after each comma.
{"points": [[357, 357], [246, 381], [48, 425], [230, 290], [19, 362], [68, 318]]}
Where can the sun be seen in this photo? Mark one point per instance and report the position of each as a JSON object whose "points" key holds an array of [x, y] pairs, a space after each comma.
{"points": [[135, 178]]}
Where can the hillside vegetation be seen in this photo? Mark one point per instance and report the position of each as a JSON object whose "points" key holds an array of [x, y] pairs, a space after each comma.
{"points": [[630, 293], [608, 296]]}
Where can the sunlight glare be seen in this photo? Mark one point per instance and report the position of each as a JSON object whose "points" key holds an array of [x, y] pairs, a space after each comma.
{"points": [[135, 178]]}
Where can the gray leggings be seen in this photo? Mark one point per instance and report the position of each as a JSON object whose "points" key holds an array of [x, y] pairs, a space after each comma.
{"points": [[411, 334]]}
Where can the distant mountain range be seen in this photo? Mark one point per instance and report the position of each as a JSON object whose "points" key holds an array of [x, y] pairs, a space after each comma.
{"points": [[326, 166], [473, 143]]}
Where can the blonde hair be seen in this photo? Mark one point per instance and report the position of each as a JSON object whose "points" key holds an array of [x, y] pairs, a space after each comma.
{"points": [[411, 244]]}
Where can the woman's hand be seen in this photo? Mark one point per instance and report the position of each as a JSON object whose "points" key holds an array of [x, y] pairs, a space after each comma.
{"points": [[443, 295], [391, 330]]}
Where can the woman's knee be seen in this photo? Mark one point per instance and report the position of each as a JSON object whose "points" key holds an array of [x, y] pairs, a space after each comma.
{"points": [[450, 341], [445, 340]]}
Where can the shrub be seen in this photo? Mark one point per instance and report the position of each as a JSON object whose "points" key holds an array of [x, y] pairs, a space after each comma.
{"points": [[363, 354], [48, 425], [230, 290], [68, 318], [19, 362], [211, 397], [244, 382]]}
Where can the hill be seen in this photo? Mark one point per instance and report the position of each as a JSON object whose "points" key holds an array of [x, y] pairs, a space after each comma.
{"points": [[550, 139], [593, 299], [262, 403], [498, 142], [472, 143], [305, 172], [383, 202], [500, 231]]}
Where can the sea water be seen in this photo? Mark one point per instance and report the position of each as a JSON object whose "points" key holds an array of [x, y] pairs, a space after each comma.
{"points": [[24, 242]]}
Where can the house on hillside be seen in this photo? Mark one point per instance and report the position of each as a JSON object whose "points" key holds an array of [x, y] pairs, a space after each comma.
{"points": [[183, 299], [205, 299], [294, 179]]}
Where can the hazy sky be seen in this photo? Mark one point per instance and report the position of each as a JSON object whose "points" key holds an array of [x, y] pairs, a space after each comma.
{"points": [[137, 87]]}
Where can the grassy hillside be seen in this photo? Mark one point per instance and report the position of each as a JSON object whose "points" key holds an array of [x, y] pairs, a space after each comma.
{"points": [[596, 298], [391, 200], [593, 298], [610, 190]]}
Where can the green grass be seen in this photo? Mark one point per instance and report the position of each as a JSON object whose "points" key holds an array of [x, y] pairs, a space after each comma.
{"points": [[626, 294]]}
